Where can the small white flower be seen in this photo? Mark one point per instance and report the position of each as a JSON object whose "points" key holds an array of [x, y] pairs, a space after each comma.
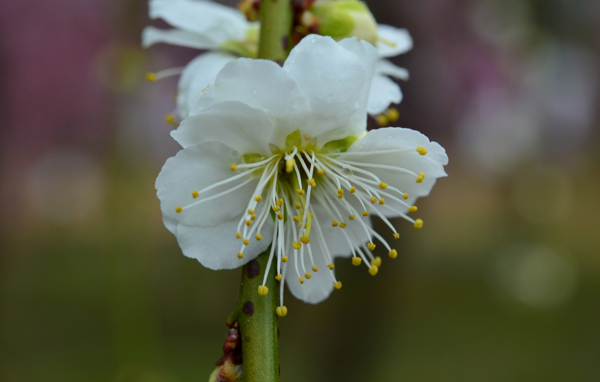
{"points": [[281, 154], [224, 30], [202, 25]]}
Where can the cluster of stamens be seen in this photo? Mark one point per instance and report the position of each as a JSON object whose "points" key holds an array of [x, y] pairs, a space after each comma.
{"points": [[289, 185]]}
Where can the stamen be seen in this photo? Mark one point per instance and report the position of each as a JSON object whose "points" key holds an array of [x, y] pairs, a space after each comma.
{"points": [[152, 77], [421, 150]]}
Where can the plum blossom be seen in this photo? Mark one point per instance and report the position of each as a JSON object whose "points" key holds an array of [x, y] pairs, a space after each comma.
{"points": [[281, 155]]}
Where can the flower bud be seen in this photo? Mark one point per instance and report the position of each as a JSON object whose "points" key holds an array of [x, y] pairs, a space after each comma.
{"points": [[342, 19]]}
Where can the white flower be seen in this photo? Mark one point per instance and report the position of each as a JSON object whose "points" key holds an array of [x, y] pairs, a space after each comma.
{"points": [[224, 30], [202, 25], [281, 154]]}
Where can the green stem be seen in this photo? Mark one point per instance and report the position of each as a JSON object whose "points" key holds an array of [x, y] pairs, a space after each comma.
{"points": [[276, 20], [257, 321], [255, 314]]}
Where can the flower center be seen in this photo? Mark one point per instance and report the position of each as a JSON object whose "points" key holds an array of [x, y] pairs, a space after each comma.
{"points": [[296, 187]]}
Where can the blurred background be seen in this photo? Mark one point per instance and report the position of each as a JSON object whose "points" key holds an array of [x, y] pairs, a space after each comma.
{"points": [[503, 284]]}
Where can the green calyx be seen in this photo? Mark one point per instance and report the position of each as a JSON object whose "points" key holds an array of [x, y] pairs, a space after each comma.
{"points": [[342, 19]]}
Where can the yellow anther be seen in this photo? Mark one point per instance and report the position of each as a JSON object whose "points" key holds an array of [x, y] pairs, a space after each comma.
{"points": [[179, 209], [278, 277], [150, 77], [412, 209], [307, 275], [371, 246], [300, 191], [382, 185], [393, 114], [366, 213], [422, 174], [305, 239], [351, 217], [356, 261], [233, 167], [301, 279], [195, 194], [331, 266], [276, 208], [420, 177], [248, 223], [246, 241], [340, 195], [382, 201], [312, 182], [315, 268], [240, 255], [338, 285], [258, 198], [405, 196], [373, 199], [170, 118], [396, 236], [393, 254], [340, 191], [253, 217], [421, 150], [298, 206], [311, 215], [289, 165], [280, 202], [296, 219], [373, 270], [284, 259], [296, 245], [418, 224], [258, 237], [263, 290], [321, 171], [376, 262], [352, 190], [382, 120], [280, 216], [238, 235], [281, 311], [250, 211], [343, 225], [335, 223]]}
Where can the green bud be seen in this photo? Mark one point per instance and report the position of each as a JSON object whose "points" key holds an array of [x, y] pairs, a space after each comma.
{"points": [[342, 19]]}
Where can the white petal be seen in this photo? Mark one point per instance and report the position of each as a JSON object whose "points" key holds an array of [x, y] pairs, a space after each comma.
{"points": [[393, 138], [393, 41], [263, 85], [195, 168], [383, 93], [235, 124], [211, 20], [389, 69], [151, 36], [319, 287], [197, 76], [336, 81], [216, 247]]}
